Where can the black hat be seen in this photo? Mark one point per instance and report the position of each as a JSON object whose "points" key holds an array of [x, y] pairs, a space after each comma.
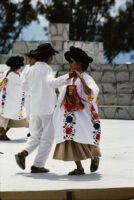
{"points": [[46, 50], [15, 62], [78, 54], [32, 53]]}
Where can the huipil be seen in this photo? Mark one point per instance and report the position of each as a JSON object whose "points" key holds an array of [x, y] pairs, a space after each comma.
{"points": [[79, 125], [12, 98]]}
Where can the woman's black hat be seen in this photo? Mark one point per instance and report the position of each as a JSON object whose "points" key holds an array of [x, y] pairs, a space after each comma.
{"points": [[78, 54]]}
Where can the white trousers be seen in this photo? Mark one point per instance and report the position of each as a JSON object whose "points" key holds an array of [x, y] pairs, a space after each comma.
{"points": [[42, 136]]}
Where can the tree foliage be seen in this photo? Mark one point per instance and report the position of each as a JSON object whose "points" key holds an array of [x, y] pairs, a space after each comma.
{"points": [[13, 18], [117, 32], [91, 20]]}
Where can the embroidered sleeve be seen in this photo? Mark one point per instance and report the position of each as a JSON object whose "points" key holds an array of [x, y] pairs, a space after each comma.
{"points": [[93, 86]]}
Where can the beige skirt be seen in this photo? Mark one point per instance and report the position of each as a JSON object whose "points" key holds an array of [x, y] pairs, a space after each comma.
{"points": [[73, 151], [10, 123]]}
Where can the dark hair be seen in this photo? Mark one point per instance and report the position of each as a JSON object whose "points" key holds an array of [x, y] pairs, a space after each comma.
{"points": [[79, 56], [15, 62]]}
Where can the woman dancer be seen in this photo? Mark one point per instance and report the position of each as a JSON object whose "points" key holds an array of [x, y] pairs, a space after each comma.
{"points": [[76, 120]]}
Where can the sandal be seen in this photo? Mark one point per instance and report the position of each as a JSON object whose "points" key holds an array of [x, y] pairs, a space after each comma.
{"points": [[76, 172], [20, 160], [94, 164]]}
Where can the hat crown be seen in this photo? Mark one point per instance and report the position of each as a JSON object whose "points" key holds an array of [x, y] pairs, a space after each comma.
{"points": [[46, 49], [78, 54]]}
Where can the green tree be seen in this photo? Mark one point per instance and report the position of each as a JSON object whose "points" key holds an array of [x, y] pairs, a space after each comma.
{"points": [[117, 33], [13, 18], [84, 16], [91, 20]]}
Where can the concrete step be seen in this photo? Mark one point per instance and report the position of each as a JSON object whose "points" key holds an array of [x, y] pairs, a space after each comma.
{"points": [[116, 112]]}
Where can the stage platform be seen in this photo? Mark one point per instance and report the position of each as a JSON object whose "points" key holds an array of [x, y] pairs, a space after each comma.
{"points": [[114, 179]]}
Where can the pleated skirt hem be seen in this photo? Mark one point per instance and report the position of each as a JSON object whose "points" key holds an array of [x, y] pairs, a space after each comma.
{"points": [[74, 151]]}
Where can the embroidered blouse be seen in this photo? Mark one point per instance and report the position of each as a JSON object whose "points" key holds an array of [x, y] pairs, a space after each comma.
{"points": [[12, 98], [82, 125]]}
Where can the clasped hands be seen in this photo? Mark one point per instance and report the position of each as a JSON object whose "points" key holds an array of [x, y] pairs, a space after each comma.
{"points": [[74, 74]]}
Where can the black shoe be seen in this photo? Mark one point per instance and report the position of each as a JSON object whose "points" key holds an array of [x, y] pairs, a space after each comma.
{"points": [[20, 159], [35, 169]]}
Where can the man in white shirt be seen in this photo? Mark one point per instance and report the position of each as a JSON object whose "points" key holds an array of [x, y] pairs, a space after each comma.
{"points": [[31, 61], [41, 84]]}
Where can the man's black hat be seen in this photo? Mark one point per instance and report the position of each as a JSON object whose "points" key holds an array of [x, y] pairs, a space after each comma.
{"points": [[46, 50], [32, 54]]}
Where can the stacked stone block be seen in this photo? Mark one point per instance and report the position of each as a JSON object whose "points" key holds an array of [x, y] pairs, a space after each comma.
{"points": [[116, 83]]}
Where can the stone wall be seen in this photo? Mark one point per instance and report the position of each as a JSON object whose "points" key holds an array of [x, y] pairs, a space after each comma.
{"points": [[3, 58], [59, 38]]}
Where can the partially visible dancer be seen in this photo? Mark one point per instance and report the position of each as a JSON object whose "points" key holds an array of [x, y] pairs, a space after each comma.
{"points": [[12, 98], [76, 120], [31, 61], [40, 84]]}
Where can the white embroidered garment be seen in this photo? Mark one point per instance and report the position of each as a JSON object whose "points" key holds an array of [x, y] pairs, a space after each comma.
{"points": [[41, 84], [27, 95], [81, 126], [12, 98]]}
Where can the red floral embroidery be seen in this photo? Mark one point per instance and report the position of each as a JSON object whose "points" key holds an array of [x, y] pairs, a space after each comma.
{"points": [[95, 116], [2, 103], [95, 121], [98, 136], [3, 98], [69, 123], [92, 108], [68, 131]]}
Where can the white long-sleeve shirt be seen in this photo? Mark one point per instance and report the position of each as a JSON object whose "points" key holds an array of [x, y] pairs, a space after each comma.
{"points": [[41, 83], [27, 96]]}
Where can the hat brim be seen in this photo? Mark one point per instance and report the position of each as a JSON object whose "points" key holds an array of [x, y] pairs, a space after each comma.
{"points": [[31, 54], [55, 51], [68, 55]]}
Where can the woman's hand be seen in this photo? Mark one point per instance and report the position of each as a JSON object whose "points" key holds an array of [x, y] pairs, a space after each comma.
{"points": [[87, 90], [78, 74]]}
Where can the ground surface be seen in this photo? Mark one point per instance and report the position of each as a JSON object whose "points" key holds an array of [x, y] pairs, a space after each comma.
{"points": [[116, 167]]}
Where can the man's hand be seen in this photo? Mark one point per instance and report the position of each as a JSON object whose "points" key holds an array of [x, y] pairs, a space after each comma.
{"points": [[72, 74]]}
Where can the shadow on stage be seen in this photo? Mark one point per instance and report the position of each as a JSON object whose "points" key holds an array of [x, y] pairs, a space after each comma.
{"points": [[53, 177], [20, 140]]}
